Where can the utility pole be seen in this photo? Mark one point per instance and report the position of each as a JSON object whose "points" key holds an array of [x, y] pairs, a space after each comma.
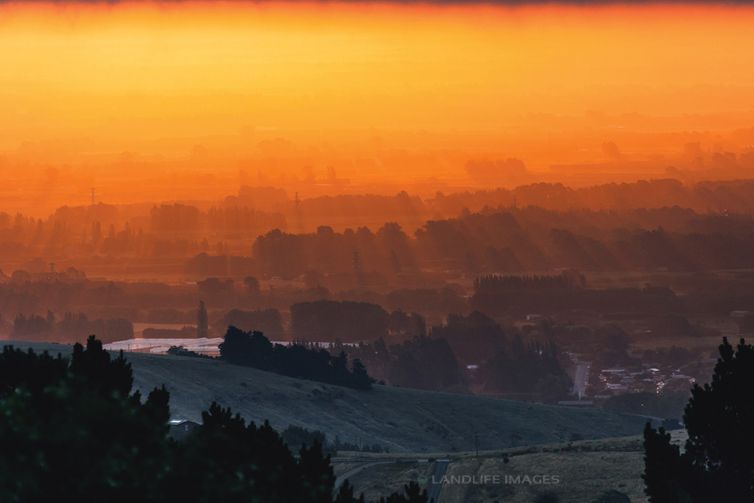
{"points": [[94, 199]]}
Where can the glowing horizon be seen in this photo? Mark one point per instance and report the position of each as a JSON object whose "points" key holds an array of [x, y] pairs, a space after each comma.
{"points": [[81, 83]]}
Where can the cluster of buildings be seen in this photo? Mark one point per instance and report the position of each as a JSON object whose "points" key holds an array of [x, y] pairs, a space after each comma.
{"points": [[642, 378]]}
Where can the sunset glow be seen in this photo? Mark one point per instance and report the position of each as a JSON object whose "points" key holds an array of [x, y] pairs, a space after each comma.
{"points": [[80, 85], [362, 251]]}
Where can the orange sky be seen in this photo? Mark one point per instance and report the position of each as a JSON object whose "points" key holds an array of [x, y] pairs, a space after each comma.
{"points": [[80, 83]]}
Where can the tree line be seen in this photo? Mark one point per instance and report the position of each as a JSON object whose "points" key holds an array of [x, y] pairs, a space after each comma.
{"points": [[253, 349], [36, 327], [298, 436]]}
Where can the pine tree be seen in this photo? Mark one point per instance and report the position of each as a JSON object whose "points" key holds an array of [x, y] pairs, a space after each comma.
{"points": [[345, 494], [716, 464], [360, 379]]}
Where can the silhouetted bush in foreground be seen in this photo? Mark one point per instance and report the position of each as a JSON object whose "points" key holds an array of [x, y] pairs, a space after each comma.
{"points": [[72, 429]]}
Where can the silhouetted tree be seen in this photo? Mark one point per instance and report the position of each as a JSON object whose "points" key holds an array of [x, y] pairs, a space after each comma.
{"points": [[412, 493], [547, 497], [532, 369], [246, 348], [202, 321], [316, 474], [717, 462], [613, 496], [28, 369], [345, 494], [296, 437], [73, 430], [255, 350], [425, 363], [252, 285], [360, 378], [473, 338], [406, 325]]}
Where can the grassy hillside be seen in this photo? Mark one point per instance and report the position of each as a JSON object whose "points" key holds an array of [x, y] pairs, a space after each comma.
{"points": [[403, 420]]}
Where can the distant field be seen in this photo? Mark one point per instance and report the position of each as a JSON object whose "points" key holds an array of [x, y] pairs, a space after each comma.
{"points": [[403, 420], [707, 343], [585, 470]]}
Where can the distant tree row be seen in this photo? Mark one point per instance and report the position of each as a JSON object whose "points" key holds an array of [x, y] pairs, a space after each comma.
{"points": [[469, 352], [421, 362], [502, 283], [327, 320], [253, 349], [354, 252], [227, 220], [655, 300], [348, 321], [36, 327], [473, 338], [521, 368], [647, 224], [296, 437]]}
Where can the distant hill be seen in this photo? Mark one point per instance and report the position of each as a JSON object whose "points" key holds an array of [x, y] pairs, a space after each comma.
{"points": [[403, 420]]}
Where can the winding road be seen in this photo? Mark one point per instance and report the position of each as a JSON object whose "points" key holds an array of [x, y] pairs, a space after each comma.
{"points": [[581, 379], [435, 483]]}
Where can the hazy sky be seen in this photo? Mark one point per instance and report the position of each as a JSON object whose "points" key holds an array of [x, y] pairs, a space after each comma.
{"points": [[79, 82], [138, 71]]}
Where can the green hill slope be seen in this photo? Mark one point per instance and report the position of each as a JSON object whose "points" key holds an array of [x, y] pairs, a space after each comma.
{"points": [[403, 420]]}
